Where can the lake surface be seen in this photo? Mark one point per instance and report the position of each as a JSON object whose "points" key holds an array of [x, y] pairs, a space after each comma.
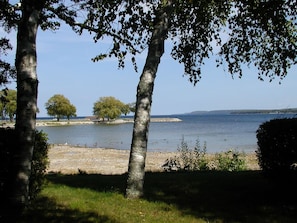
{"points": [[220, 132]]}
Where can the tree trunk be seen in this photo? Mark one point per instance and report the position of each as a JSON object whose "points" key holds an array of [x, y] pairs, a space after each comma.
{"points": [[27, 83], [136, 171]]}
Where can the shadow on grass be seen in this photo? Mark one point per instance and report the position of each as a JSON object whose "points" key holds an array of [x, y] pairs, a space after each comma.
{"points": [[232, 196], [228, 196], [46, 210]]}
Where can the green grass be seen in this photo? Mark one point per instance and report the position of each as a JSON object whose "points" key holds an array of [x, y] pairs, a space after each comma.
{"points": [[219, 197]]}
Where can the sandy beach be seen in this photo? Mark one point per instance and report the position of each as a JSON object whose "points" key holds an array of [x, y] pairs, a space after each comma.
{"points": [[71, 160]]}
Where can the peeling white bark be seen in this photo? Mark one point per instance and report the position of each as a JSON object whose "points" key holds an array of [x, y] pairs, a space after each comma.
{"points": [[136, 171], [27, 83]]}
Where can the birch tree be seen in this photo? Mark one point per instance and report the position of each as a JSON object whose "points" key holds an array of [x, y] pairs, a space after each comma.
{"points": [[256, 38], [260, 34], [166, 16], [27, 16], [145, 88], [26, 103]]}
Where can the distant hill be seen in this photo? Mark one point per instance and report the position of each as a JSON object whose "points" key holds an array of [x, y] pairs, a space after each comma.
{"points": [[247, 111], [267, 111], [210, 112]]}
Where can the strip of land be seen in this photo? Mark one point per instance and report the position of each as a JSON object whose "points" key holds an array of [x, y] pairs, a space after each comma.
{"points": [[88, 121]]}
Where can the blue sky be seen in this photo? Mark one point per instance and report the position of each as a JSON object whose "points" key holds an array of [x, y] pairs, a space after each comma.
{"points": [[65, 67]]}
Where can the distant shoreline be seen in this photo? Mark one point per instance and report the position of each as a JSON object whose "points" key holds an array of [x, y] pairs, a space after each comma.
{"points": [[88, 121], [247, 111]]}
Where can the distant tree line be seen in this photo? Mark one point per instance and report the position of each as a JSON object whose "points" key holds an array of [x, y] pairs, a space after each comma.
{"points": [[59, 106], [105, 108]]}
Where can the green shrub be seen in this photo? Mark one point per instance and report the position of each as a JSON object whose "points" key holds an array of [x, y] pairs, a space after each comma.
{"points": [[39, 160], [192, 159], [230, 161], [40, 163], [277, 145], [196, 159], [188, 159]]}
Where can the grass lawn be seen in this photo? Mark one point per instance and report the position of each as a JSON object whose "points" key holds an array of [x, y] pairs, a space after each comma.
{"points": [[218, 197]]}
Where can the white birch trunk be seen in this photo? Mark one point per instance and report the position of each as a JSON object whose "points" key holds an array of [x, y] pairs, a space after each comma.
{"points": [[136, 171], [27, 83]]}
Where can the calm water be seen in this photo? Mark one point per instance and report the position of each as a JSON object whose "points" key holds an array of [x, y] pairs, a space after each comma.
{"points": [[220, 132]]}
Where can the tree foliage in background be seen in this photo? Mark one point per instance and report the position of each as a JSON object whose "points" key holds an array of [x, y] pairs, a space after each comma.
{"points": [[8, 103], [59, 106], [110, 108], [7, 71], [8, 19]]}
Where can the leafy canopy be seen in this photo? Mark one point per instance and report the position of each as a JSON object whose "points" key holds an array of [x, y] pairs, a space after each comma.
{"points": [[8, 19], [59, 106], [110, 108], [259, 33], [263, 34]]}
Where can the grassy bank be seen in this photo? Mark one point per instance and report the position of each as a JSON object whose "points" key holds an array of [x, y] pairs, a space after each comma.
{"points": [[245, 196]]}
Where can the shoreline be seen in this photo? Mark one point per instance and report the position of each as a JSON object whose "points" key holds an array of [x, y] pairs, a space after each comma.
{"points": [[90, 121], [67, 159], [87, 121]]}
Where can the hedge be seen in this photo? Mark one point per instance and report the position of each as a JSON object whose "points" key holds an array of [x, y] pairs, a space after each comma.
{"points": [[277, 145]]}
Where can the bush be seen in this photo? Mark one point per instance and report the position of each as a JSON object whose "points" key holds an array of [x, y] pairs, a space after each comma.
{"points": [[40, 163], [39, 160], [188, 159], [230, 161], [192, 159], [277, 145], [196, 159]]}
